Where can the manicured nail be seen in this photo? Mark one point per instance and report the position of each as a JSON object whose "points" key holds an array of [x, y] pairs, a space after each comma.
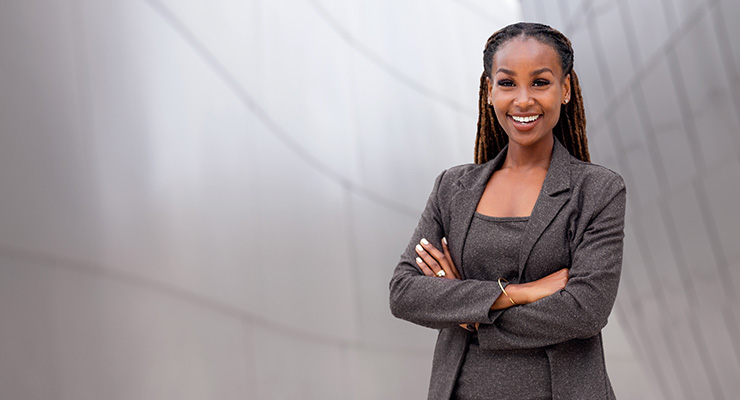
{"points": [[424, 241], [419, 248], [418, 260], [444, 240]]}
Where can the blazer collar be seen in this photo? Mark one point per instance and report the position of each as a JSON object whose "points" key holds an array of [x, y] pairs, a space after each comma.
{"points": [[552, 197]]}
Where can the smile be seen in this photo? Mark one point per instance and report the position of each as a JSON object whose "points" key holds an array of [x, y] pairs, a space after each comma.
{"points": [[524, 120]]}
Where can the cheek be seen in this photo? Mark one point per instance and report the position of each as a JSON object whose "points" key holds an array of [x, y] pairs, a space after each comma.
{"points": [[500, 105], [553, 104], [500, 114]]}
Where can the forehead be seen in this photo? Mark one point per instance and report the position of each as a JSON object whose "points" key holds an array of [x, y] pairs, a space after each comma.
{"points": [[526, 54]]}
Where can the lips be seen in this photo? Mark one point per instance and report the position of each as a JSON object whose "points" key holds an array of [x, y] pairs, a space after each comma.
{"points": [[524, 122]]}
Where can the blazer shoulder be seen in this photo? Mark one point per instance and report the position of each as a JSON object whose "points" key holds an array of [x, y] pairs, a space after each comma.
{"points": [[461, 170], [460, 173], [592, 175], [459, 177]]}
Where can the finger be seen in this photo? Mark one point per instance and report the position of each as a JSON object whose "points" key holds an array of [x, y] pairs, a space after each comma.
{"points": [[439, 257], [424, 268], [448, 256], [430, 261]]}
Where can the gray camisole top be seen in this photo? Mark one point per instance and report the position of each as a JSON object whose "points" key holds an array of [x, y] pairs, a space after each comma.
{"points": [[492, 251]]}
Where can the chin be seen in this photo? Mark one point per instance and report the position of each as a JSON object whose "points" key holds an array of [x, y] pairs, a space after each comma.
{"points": [[528, 139]]}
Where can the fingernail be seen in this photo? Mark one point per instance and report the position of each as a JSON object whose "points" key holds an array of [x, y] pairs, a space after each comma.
{"points": [[419, 248], [418, 260], [424, 241], [444, 240]]}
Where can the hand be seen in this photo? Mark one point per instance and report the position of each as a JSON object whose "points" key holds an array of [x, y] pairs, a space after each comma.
{"points": [[431, 261], [470, 327]]}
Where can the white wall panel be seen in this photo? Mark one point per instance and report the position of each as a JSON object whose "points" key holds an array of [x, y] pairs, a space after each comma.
{"points": [[96, 336], [45, 168], [305, 276], [369, 367], [373, 228], [291, 368], [206, 200]]}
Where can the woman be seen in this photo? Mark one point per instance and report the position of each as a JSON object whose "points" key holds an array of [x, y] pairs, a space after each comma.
{"points": [[516, 259]]}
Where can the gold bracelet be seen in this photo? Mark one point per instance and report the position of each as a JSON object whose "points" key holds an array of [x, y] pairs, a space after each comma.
{"points": [[504, 290]]}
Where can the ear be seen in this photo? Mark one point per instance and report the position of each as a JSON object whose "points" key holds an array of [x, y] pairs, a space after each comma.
{"points": [[566, 89]]}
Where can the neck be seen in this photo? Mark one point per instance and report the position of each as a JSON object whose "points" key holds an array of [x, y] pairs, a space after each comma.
{"points": [[537, 155]]}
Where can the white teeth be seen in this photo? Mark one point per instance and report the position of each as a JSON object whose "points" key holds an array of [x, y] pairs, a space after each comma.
{"points": [[525, 119]]}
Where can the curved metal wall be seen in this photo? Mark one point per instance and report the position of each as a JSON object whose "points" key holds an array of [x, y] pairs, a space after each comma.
{"points": [[205, 200], [662, 88]]}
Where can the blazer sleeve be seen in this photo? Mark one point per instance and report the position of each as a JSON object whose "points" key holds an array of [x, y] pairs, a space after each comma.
{"points": [[430, 301], [581, 309]]}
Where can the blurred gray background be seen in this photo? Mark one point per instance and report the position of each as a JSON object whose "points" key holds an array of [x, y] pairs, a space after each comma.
{"points": [[662, 90], [205, 200]]}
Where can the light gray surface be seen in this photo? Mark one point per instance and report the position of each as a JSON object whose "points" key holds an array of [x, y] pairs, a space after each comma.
{"points": [[142, 238], [662, 90], [205, 200]]}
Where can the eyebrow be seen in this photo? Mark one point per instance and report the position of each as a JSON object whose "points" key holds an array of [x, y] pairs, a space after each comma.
{"points": [[535, 72], [541, 70]]}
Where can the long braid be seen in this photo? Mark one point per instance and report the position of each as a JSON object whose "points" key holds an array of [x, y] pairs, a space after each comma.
{"points": [[577, 120], [485, 123], [570, 128]]}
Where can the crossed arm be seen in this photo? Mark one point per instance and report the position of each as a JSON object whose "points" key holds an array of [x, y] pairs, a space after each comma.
{"points": [[433, 262], [568, 304]]}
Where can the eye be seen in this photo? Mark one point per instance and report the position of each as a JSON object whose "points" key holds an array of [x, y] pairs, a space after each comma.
{"points": [[505, 82], [541, 82]]}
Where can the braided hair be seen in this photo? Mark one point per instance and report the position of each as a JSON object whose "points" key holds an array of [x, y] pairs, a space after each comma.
{"points": [[571, 126]]}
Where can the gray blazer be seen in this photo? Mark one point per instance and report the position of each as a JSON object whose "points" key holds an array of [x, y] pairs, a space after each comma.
{"points": [[577, 222]]}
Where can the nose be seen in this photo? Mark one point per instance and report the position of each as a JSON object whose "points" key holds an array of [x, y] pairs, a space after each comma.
{"points": [[523, 98]]}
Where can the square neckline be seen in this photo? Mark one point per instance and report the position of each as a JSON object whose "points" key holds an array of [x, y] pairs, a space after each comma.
{"points": [[501, 219]]}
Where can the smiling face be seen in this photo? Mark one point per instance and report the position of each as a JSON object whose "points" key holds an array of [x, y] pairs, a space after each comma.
{"points": [[526, 90]]}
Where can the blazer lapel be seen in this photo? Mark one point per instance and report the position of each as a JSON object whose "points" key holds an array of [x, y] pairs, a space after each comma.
{"points": [[553, 195], [464, 203]]}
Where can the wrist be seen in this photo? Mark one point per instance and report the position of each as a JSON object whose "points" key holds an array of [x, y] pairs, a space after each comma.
{"points": [[517, 292]]}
